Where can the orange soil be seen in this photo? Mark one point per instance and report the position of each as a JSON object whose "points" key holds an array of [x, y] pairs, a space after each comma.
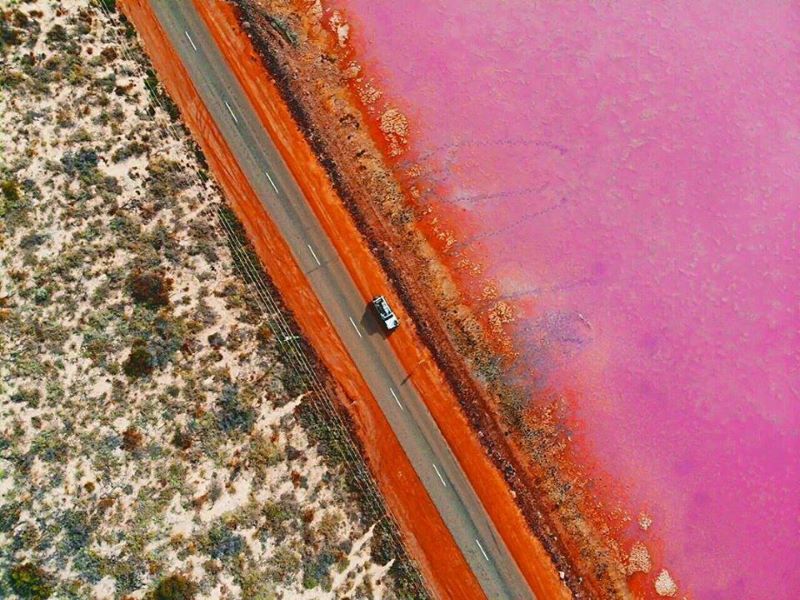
{"points": [[366, 271], [425, 534]]}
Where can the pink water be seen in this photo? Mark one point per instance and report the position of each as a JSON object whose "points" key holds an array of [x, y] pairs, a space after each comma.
{"points": [[631, 175]]}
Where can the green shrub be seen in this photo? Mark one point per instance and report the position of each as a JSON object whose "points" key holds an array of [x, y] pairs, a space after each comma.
{"points": [[182, 439], [149, 288], [167, 178], [57, 34], [282, 27], [9, 516], [132, 439], [83, 162], [30, 582], [284, 564], [41, 295], [263, 455], [11, 197], [233, 414], [8, 35], [10, 79], [166, 338], [316, 569], [174, 587], [32, 240], [264, 334], [135, 148], [49, 446], [30, 396], [223, 543], [256, 585], [89, 564], [278, 516], [139, 362], [77, 531]]}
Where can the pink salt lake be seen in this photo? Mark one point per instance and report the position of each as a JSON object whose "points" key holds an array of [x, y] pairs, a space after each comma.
{"points": [[630, 174]]}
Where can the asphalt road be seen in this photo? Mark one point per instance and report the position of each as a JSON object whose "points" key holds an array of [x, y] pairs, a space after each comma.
{"points": [[284, 202]]}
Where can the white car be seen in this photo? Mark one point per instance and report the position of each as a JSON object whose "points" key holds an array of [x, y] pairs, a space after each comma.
{"points": [[385, 313]]}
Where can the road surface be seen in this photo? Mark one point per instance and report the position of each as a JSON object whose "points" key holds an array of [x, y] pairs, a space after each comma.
{"points": [[361, 334]]}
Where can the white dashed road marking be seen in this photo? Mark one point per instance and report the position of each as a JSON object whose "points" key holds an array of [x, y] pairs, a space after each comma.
{"points": [[314, 254], [272, 183], [435, 468], [396, 399], [230, 110], [481, 549], [358, 331], [188, 37]]}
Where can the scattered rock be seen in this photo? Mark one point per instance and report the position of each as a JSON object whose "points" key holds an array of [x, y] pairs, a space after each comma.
{"points": [[340, 28], [394, 125], [639, 559], [665, 586]]}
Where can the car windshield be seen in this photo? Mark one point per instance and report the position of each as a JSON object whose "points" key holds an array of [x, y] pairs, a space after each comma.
{"points": [[382, 306]]}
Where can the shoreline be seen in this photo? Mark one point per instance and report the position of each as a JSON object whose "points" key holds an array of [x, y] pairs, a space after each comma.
{"points": [[306, 56], [487, 465]]}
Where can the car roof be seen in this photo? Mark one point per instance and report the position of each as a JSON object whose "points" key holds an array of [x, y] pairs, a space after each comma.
{"points": [[383, 306]]}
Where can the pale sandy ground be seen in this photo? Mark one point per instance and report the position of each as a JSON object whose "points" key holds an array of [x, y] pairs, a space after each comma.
{"points": [[140, 515]]}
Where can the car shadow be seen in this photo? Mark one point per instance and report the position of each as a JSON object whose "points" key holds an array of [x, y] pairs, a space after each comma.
{"points": [[371, 324]]}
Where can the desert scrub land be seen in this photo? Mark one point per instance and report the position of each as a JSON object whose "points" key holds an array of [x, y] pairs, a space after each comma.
{"points": [[156, 439]]}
